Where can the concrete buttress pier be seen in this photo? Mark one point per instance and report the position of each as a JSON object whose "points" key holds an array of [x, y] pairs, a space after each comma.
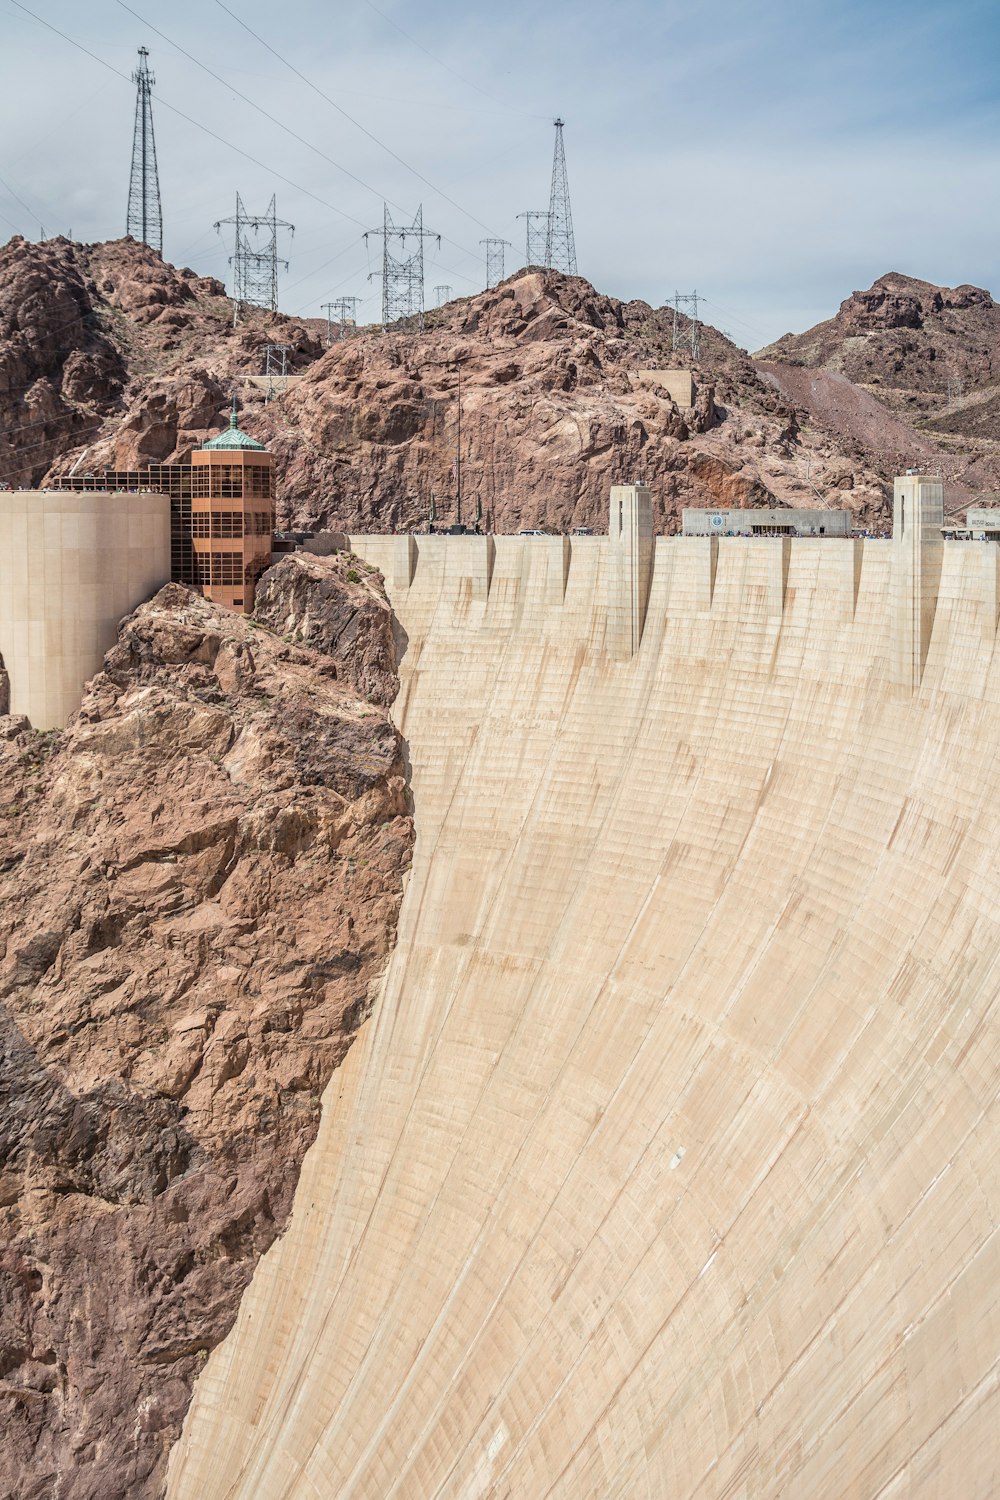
{"points": [[630, 567], [917, 556]]}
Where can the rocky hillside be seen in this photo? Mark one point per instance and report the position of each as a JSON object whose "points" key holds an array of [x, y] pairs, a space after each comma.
{"points": [[559, 400], [903, 334], [200, 881], [99, 339], [929, 355], [109, 357]]}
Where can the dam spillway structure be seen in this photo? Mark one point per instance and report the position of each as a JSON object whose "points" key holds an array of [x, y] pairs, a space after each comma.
{"points": [[666, 1165]]}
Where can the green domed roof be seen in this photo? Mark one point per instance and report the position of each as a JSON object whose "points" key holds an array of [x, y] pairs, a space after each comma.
{"points": [[233, 438]]}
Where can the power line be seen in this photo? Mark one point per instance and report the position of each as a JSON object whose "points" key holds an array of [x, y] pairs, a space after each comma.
{"points": [[66, 416], [686, 335], [447, 66], [339, 256], [402, 274], [536, 232], [33, 448], [255, 265], [30, 212], [190, 121], [343, 312], [165, 104], [752, 327], [340, 110], [494, 260], [252, 102], [361, 271], [294, 134]]}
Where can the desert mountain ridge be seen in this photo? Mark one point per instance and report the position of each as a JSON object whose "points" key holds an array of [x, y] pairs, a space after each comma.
{"points": [[111, 357]]}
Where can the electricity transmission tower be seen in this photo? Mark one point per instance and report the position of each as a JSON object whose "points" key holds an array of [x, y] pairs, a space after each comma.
{"points": [[276, 368], [560, 247], [276, 359], [145, 220], [536, 232], [686, 335], [442, 294], [402, 273], [255, 258], [494, 260], [342, 312]]}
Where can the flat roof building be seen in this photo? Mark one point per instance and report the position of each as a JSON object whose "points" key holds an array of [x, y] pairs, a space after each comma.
{"points": [[984, 522], [784, 521]]}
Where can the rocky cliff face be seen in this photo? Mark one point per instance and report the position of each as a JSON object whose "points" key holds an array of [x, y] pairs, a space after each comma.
{"points": [[559, 400], [200, 880], [555, 407], [903, 334], [108, 352], [926, 362]]}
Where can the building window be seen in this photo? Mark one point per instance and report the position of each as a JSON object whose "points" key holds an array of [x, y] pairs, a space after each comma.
{"points": [[227, 568], [225, 524], [218, 569], [258, 482]]}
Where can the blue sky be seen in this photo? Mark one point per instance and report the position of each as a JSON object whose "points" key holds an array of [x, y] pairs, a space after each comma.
{"points": [[775, 156]]}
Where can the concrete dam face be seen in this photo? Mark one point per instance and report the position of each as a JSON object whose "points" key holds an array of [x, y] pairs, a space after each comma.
{"points": [[666, 1165]]}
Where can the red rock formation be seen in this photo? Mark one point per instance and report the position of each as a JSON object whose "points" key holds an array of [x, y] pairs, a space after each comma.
{"points": [[554, 409], [110, 342], [896, 367], [903, 334], [200, 884]]}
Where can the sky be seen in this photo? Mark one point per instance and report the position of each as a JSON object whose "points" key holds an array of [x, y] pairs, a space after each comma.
{"points": [[772, 156]]}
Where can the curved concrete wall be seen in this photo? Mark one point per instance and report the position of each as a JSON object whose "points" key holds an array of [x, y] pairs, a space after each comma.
{"points": [[71, 565], [667, 1165]]}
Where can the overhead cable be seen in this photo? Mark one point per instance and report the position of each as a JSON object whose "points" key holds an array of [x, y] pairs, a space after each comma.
{"points": [[357, 123], [190, 121]]}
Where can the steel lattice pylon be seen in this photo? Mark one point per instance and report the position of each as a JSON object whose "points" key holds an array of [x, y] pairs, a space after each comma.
{"points": [[144, 220], [536, 233], [686, 335], [255, 260], [494, 260], [342, 311], [442, 294], [560, 246], [402, 275]]}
